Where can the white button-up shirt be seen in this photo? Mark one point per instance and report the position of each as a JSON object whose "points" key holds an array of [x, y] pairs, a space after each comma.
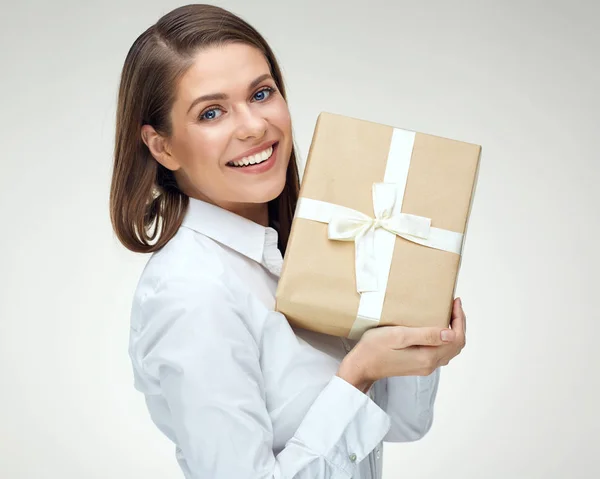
{"points": [[240, 392]]}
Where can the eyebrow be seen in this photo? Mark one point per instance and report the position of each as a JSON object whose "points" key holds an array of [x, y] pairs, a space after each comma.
{"points": [[223, 96]]}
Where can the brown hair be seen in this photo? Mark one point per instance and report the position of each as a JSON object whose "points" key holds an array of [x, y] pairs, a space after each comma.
{"points": [[146, 205]]}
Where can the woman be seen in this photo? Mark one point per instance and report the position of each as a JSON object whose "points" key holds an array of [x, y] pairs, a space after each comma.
{"points": [[205, 179]]}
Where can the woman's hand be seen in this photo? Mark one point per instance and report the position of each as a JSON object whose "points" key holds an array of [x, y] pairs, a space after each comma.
{"points": [[388, 351]]}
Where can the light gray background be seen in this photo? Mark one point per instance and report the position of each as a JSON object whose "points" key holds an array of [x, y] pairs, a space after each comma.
{"points": [[518, 77]]}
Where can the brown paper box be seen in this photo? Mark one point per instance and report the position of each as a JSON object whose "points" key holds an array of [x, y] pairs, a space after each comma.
{"points": [[317, 289]]}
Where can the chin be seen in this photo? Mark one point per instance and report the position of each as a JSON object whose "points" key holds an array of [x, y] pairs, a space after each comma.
{"points": [[267, 189], [264, 195]]}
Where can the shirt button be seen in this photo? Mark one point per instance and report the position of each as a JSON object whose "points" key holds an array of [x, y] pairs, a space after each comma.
{"points": [[378, 453], [353, 457]]}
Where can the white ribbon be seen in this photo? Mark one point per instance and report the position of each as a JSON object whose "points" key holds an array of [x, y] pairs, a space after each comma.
{"points": [[374, 237], [360, 228]]}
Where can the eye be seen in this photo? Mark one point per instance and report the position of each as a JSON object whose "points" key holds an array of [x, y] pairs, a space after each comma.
{"points": [[210, 114], [263, 94]]}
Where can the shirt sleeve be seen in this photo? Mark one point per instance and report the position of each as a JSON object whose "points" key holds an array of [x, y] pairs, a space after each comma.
{"points": [[409, 402], [205, 358]]}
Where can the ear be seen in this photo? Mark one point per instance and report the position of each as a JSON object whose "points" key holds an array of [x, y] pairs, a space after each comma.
{"points": [[159, 148]]}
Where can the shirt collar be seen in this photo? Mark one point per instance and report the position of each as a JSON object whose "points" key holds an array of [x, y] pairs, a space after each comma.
{"points": [[257, 242]]}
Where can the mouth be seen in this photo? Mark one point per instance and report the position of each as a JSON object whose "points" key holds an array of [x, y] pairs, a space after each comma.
{"points": [[257, 163]]}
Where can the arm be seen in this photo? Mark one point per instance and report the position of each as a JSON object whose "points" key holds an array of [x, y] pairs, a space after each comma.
{"points": [[408, 400], [206, 361], [407, 397], [411, 399], [407, 378]]}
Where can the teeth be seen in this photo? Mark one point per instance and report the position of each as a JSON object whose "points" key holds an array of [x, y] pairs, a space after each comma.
{"points": [[254, 159]]}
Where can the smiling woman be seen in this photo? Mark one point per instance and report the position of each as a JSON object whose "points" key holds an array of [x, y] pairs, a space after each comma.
{"points": [[205, 179], [209, 140], [202, 94]]}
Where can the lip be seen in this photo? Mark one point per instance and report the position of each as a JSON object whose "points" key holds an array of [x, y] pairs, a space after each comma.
{"points": [[255, 150], [261, 167]]}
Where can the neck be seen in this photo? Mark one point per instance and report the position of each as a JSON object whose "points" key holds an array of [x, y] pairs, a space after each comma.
{"points": [[257, 212]]}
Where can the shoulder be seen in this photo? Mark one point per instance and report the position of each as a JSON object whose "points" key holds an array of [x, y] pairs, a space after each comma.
{"points": [[186, 289], [190, 269], [188, 263], [187, 255]]}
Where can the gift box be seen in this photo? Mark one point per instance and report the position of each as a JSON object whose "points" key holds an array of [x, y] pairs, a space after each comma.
{"points": [[378, 233]]}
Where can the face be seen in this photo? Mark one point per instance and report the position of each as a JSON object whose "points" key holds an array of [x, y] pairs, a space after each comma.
{"points": [[231, 132]]}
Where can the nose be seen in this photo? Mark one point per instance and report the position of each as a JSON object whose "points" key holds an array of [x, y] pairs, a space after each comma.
{"points": [[251, 124]]}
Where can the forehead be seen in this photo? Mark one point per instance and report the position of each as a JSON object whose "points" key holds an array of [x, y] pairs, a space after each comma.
{"points": [[222, 69]]}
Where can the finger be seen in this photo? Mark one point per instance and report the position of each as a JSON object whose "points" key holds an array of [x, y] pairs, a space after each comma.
{"points": [[425, 336], [458, 322]]}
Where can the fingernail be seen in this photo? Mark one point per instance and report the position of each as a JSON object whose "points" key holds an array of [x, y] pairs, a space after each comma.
{"points": [[447, 335], [460, 302]]}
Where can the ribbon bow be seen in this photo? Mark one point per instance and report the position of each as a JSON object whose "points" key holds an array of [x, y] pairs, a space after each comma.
{"points": [[352, 225]]}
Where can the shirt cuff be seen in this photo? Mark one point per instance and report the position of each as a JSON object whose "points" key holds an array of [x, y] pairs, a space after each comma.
{"points": [[343, 425]]}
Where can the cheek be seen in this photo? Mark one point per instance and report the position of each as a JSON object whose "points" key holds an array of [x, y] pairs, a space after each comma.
{"points": [[280, 116], [203, 147], [284, 124]]}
